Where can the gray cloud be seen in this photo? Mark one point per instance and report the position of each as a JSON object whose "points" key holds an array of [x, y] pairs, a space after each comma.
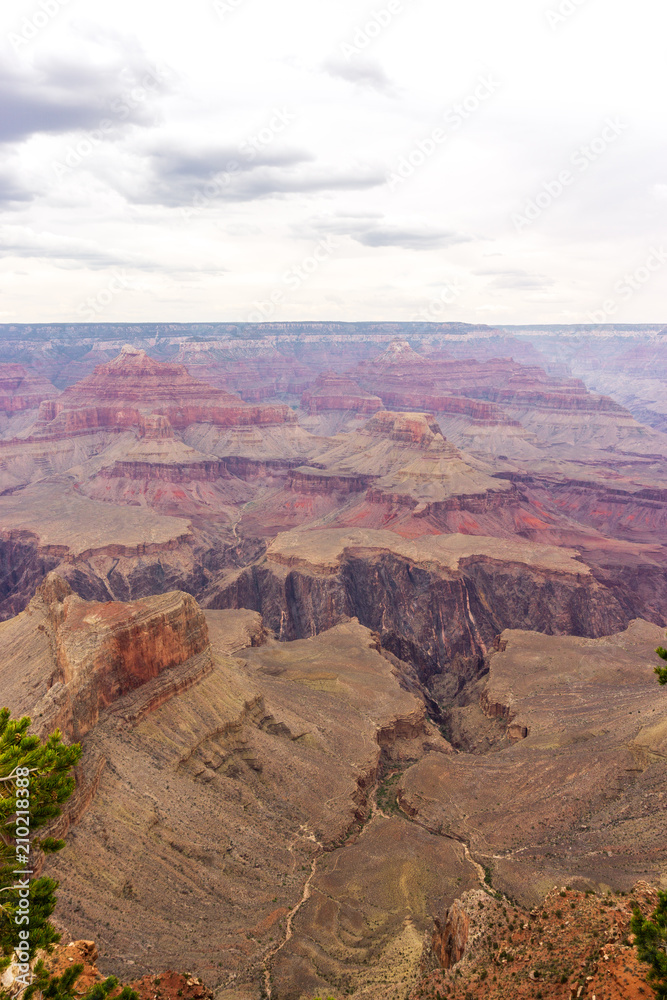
{"points": [[361, 72], [58, 97], [516, 279], [12, 191], [226, 173], [408, 239], [372, 231], [21, 241]]}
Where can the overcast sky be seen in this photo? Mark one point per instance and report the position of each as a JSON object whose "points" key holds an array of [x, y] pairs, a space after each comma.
{"points": [[474, 160]]}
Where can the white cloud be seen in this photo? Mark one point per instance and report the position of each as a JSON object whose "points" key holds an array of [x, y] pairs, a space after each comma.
{"points": [[270, 80]]}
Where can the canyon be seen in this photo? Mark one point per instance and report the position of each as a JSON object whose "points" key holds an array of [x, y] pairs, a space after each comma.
{"points": [[420, 566]]}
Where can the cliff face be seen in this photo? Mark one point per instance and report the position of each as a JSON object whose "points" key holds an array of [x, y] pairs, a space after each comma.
{"points": [[450, 936], [339, 392], [103, 651], [435, 610], [22, 389]]}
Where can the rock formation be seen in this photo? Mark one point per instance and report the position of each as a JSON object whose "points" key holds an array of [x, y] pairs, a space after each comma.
{"points": [[574, 790], [339, 392], [436, 601], [118, 390], [102, 651], [450, 936], [22, 389]]}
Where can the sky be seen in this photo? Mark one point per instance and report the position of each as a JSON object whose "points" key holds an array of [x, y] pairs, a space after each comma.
{"points": [[403, 160]]}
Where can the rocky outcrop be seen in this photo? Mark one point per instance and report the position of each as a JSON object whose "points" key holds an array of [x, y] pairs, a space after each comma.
{"points": [[55, 420], [318, 481], [403, 463], [339, 392], [418, 429], [22, 389], [450, 936], [155, 427], [173, 472], [413, 399], [103, 651]]}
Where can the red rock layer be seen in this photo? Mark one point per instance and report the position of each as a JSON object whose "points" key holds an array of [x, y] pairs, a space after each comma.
{"points": [[401, 377], [410, 428], [253, 378], [206, 471], [308, 481], [339, 392], [155, 427], [105, 650], [413, 399], [116, 391], [21, 389], [450, 936]]}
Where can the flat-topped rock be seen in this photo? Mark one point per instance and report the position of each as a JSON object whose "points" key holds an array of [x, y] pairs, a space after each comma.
{"points": [[333, 391], [63, 519], [322, 550]]}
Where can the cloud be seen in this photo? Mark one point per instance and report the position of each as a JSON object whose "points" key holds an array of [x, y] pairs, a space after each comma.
{"points": [[372, 231], [361, 72], [21, 241], [11, 189], [57, 97], [226, 173], [407, 238], [516, 279]]}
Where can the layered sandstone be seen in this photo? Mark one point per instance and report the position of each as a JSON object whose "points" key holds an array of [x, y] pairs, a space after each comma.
{"points": [[66, 660], [339, 392], [437, 601], [103, 651], [403, 459], [158, 454], [514, 409], [256, 371], [22, 388], [116, 391]]}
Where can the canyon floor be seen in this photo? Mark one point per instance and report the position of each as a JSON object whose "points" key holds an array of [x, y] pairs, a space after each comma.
{"points": [[355, 628]]}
